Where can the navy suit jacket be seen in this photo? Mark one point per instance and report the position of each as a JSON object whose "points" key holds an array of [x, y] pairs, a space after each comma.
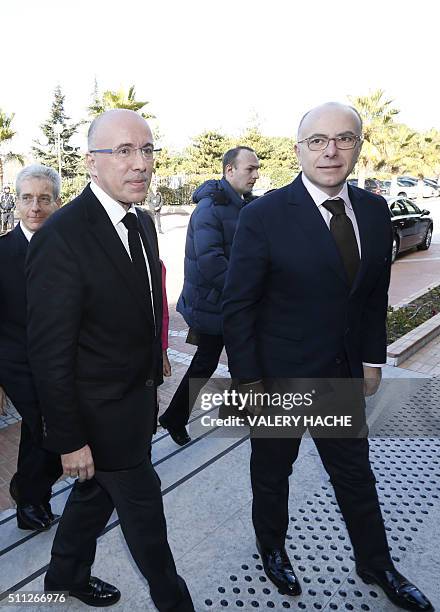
{"points": [[289, 310], [13, 248]]}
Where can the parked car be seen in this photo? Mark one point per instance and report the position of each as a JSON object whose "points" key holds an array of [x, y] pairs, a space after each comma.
{"points": [[384, 187], [433, 183], [428, 190], [370, 185], [404, 188], [412, 227]]}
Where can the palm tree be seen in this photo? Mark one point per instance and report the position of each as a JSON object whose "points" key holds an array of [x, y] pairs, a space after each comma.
{"points": [[6, 134], [397, 150], [117, 99], [378, 124], [429, 153]]}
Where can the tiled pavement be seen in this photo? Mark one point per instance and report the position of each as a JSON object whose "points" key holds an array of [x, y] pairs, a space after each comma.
{"points": [[9, 439], [426, 360]]}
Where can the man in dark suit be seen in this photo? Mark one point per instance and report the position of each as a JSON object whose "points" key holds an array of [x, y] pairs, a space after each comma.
{"points": [[95, 313], [38, 189], [306, 297]]}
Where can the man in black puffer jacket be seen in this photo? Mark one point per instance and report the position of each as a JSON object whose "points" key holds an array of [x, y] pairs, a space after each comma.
{"points": [[208, 245]]}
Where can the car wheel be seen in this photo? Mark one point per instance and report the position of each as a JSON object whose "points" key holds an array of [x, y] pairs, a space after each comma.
{"points": [[395, 249], [425, 244]]}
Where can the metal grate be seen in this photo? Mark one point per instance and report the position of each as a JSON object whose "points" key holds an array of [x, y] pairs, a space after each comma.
{"points": [[406, 408]]}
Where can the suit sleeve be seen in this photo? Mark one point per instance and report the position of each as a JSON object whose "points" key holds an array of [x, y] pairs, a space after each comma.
{"points": [[244, 288], [209, 247], [374, 320], [55, 299]]}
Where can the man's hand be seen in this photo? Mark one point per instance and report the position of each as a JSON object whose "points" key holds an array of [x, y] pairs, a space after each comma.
{"points": [[79, 464], [2, 401], [254, 405], [372, 378], [166, 364]]}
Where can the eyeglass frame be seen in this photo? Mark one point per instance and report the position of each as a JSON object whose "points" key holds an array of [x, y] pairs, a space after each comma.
{"points": [[132, 149], [31, 199], [357, 139]]}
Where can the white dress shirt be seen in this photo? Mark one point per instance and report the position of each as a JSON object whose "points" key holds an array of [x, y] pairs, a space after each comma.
{"points": [[117, 212], [319, 197], [28, 234]]}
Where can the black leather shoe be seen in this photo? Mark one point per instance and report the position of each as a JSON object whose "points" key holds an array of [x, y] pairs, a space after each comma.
{"points": [[279, 570], [97, 593], [34, 518], [180, 436], [397, 588]]}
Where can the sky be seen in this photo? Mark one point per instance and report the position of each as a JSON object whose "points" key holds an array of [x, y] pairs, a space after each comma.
{"points": [[218, 65]]}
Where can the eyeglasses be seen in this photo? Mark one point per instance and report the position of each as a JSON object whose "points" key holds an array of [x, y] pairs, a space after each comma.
{"points": [[125, 152], [320, 143], [43, 200]]}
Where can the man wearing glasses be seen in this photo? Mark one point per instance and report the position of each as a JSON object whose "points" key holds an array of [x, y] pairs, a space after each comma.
{"points": [[95, 314], [306, 298], [38, 191]]}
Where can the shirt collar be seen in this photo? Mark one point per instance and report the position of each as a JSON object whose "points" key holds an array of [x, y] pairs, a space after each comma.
{"points": [[28, 234], [114, 209], [319, 197]]}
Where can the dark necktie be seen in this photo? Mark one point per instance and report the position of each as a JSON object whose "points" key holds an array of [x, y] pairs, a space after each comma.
{"points": [[137, 255], [342, 231]]}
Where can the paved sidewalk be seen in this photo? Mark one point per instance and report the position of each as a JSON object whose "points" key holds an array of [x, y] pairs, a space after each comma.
{"points": [[9, 439], [413, 274], [426, 360]]}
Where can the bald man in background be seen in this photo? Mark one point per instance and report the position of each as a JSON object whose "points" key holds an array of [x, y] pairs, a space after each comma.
{"points": [[95, 315]]}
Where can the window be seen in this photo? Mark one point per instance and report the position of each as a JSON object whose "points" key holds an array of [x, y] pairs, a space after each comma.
{"points": [[397, 208], [411, 209]]}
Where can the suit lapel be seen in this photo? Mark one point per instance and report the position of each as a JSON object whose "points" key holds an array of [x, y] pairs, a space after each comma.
{"points": [[20, 241], [106, 235], [154, 263], [306, 213], [366, 232], [20, 244]]}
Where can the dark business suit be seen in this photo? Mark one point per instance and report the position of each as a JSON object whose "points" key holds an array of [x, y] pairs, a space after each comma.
{"points": [[96, 354], [290, 312], [37, 469]]}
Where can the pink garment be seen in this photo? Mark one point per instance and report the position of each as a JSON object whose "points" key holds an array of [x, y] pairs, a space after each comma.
{"points": [[165, 313]]}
